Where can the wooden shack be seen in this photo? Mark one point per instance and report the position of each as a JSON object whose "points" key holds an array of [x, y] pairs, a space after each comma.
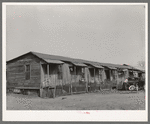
{"points": [[31, 72], [94, 75], [48, 75], [52, 76], [77, 75]]}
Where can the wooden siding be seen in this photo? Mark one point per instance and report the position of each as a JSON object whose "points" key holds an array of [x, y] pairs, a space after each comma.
{"points": [[16, 72]]}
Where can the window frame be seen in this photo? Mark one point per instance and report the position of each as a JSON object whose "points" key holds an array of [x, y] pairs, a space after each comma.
{"points": [[27, 72]]}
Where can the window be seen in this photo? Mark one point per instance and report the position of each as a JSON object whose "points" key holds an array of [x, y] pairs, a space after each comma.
{"points": [[27, 73], [72, 70]]}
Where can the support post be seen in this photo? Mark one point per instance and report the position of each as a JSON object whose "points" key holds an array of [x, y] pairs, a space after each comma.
{"points": [[117, 79], [41, 88], [110, 74], [99, 76], [88, 79], [94, 81], [103, 72], [94, 75], [62, 77], [70, 83], [54, 87], [48, 71], [48, 78], [75, 76]]}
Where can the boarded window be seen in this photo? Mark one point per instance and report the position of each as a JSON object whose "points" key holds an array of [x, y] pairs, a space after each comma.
{"points": [[27, 72]]}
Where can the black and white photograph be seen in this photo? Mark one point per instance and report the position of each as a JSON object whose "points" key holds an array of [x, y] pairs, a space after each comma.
{"points": [[75, 61]]}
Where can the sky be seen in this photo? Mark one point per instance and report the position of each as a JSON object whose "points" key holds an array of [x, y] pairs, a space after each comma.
{"points": [[101, 33]]}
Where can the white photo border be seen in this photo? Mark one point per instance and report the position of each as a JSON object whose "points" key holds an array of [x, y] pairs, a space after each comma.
{"points": [[71, 115]]}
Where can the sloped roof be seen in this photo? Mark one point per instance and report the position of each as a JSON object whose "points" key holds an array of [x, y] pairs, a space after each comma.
{"points": [[61, 59], [113, 68], [53, 61], [79, 64], [134, 68], [73, 60], [53, 57], [98, 66]]}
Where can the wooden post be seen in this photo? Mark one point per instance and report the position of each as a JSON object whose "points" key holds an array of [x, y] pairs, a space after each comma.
{"points": [[48, 70], [54, 87], [75, 72], [94, 75], [48, 78], [94, 80], [70, 84], [111, 79], [103, 72], [99, 77], [117, 79], [41, 88], [88, 76], [110, 74], [62, 77], [75, 76]]}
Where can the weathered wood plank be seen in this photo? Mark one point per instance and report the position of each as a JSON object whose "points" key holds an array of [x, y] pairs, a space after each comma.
{"points": [[19, 66]]}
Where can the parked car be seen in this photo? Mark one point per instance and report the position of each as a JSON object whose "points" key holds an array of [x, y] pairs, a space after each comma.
{"points": [[131, 83]]}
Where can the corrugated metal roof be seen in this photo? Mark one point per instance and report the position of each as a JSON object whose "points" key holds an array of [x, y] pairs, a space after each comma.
{"points": [[79, 64], [53, 61]]}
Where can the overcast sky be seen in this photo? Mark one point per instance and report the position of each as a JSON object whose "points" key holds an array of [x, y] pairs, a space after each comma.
{"points": [[111, 34]]}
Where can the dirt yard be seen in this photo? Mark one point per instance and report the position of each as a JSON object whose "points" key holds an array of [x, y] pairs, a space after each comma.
{"points": [[120, 100]]}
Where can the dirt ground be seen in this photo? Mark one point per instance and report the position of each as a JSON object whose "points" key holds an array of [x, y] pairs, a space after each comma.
{"points": [[123, 100]]}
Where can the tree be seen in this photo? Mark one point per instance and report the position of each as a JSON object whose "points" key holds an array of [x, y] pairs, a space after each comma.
{"points": [[141, 64]]}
